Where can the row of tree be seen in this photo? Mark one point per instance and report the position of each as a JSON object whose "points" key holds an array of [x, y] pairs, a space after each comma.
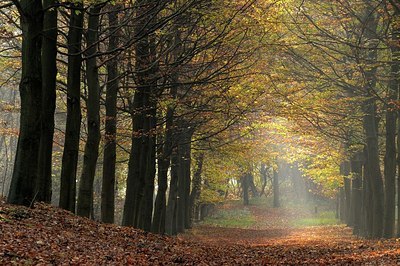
{"points": [[181, 97], [351, 67], [163, 68]]}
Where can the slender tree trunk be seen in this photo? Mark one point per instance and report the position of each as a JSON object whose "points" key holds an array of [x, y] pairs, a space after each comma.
{"points": [[370, 122], [132, 186], [367, 199], [398, 172], [275, 188], [73, 125], [108, 181], [375, 178], [150, 133], [263, 174], [163, 166], [171, 215], [342, 205], [85, 196], [187, 175], [22, 189], [253, 187], [356, 170], [146, 207], [184, 144], [196, 185], [245, 187], [140, 184], [345, 171], [390, 154], [49, 73]]}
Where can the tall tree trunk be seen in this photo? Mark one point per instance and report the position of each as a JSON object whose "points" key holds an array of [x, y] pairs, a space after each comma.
{"points": [[356, 195], [275, 189], [163, 166], [263, 174], [138, 209], [390, 154], [367, 199], [150, 124], [245, 187], [374, 173], [253, 187], [184, 143], [22, 189], [196, 185], [370, 123], [398, 169], [398, 172], [171, 214], [85, 195], [49, 73], [132, 185], [146, 204], [108, 181], [345, 171], [187, 175], [73, 125], [342, 205]]}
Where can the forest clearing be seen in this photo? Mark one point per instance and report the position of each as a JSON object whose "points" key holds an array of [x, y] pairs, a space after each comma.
{"points": [[47, 235]]}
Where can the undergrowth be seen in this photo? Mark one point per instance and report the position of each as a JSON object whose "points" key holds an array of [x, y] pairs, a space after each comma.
{"points": [[231, 218], [323, 218]]}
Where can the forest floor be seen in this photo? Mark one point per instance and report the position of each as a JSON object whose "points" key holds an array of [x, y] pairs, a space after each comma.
{"points": [[50, 236]]}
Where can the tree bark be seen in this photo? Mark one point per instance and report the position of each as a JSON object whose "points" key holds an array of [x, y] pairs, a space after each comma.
{"points": [[342, 205], [163, 166], [132, 185], [184, 155], [22, 189], [370, 123], [356, 195], [171, 214], [140, 185], [73, 125], [245, 187], [196, 185], [345, 171], [390, 126], [263, 174], [108, 181], [85, 195], [275, 188], [49, 73], [374, 173], [391, 162]]}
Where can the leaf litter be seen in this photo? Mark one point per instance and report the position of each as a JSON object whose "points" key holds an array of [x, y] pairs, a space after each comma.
{"points": [[47, 235]]}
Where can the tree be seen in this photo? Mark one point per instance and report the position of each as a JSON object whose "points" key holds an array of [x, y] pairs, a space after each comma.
{"points": [[140, 184], [73, 124], [85, 196], [275, 185], [391, 119], [49, 73], [25, 174], [108, 184]]}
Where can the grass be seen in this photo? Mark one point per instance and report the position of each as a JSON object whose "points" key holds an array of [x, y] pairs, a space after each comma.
{"points": [[323, 218], [232, 218]]}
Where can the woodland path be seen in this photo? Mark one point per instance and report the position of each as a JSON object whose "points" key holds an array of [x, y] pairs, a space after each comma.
{"points": [[274, 233], [47, 235]]}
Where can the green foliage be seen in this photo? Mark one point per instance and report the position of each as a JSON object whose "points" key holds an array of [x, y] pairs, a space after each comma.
{"points": [[320, 219], [232, 218]]}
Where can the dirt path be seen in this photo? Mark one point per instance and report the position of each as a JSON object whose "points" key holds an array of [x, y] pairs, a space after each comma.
{"points": [[274, 236]]}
